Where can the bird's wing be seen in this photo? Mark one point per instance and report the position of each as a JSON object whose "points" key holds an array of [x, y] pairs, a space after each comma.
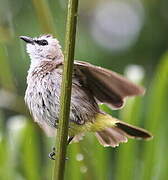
{"points": [[107, 86]]}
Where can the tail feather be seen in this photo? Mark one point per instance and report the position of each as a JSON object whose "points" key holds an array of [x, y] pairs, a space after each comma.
{"points": [[111, 137], [118, 134], [133, 131]]}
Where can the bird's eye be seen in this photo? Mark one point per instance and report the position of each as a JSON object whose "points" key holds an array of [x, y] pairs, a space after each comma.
{"points": [[42, 42]]}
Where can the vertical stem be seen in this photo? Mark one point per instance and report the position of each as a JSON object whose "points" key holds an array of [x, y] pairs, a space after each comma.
{"points": [[44, 15], [62, 133]]}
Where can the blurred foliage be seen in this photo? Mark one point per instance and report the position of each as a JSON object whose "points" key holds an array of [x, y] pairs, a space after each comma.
{"points": [[24, 147]]}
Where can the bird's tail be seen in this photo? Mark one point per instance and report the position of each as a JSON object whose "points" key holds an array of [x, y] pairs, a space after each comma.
{"points": [[112, 136]]}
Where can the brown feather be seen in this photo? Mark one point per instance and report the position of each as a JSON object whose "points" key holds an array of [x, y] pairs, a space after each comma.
{"points": [[108, 86], [115, 135], [133, 131]]}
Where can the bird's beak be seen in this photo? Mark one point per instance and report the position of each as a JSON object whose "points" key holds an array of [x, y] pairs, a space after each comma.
{"points": [[27, 39]]}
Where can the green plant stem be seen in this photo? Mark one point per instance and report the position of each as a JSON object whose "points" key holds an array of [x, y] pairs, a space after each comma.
{"points": [[44, 15], [62, 133], [6, 77]]}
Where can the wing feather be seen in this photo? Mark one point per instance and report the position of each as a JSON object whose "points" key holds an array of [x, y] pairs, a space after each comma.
{"points": [[108, 86]]}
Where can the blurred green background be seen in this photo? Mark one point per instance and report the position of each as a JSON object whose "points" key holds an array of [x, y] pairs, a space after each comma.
{"points": [[127, 36]]}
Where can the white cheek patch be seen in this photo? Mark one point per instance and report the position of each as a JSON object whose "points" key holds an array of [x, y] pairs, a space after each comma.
{"points": [[39, 50], [49, 52], [29, 48], [34, 50]]}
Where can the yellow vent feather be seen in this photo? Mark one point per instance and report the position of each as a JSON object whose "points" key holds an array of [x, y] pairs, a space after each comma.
{"points": [[100, 122]]}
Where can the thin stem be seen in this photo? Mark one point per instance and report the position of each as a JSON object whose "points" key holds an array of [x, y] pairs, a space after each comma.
{"points": [[62, 133], [44, 15]]}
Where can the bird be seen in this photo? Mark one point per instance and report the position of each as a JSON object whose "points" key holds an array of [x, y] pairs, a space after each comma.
{"points": [[91, 85]]}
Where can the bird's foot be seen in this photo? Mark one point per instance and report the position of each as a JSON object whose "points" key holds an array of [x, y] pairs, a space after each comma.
{"points": [[51, 155]]}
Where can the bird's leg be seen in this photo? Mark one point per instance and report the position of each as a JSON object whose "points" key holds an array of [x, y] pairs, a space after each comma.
{"points": [[52, 154], [70, 139]]}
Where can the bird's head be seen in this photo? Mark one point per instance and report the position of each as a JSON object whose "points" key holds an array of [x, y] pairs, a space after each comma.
{"points": [[43, 48]]}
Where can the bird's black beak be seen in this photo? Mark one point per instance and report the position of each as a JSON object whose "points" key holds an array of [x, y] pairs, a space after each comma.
{"points": [[27, 39]]}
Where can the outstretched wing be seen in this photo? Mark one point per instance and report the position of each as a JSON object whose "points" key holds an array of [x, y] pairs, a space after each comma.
{"points": [[107, 86]]}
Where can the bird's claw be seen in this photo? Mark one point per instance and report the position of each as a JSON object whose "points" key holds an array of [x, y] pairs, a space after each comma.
{"points": [[52, 154]]}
